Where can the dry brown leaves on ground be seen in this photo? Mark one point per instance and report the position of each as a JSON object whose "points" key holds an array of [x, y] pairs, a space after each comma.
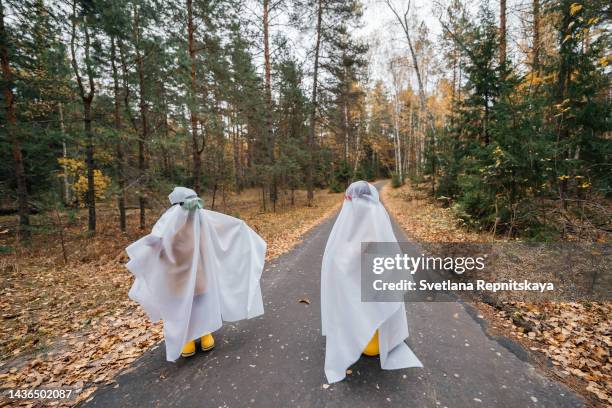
{"points": [[73, 325], [423, 220], [576, 337]]}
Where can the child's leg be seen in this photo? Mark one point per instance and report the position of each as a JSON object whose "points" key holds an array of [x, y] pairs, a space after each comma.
{"points": [[207, 342], [189, 349], [372, 347]]}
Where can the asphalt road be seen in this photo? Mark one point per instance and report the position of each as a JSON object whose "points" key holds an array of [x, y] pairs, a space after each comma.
{"points": [[276, 360]]}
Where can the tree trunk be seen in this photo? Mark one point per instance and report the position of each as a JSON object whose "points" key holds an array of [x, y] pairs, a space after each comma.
{"points": [[563, 82], [89, 151], [142, 140], [22, 191], [403, 20], [236, 152], [485, 121], [346, 128], [87, 99], [563, 73], [269, 142], [454, 92], [536, 36], [166, 162], [502, 32], [398, 144], [120, 160], [313, 112], [195, 145], [126, 85], [413, 148], [67, 195], [357, 154]]}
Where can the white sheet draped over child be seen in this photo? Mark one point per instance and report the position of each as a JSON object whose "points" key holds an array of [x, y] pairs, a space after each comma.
{"points": [[348, 323], [196, 269]]}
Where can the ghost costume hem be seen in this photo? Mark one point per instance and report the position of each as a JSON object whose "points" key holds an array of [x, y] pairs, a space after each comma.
{"points": [[196, 269], [348, 324]]}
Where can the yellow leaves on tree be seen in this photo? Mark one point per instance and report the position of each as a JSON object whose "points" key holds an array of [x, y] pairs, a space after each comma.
{"points": [[575, 8], [77, 172], [499, 155], [534, 79]]}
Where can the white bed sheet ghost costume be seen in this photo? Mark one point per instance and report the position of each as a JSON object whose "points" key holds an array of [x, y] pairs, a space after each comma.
{"points": [[348, 324], [196, 269]]}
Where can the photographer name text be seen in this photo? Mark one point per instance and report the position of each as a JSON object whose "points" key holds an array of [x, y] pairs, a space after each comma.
{"points": [[406, 285]]}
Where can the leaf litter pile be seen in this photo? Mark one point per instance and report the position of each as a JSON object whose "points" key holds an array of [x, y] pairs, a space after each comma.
{"points": [[72, 325], [573, 338]]}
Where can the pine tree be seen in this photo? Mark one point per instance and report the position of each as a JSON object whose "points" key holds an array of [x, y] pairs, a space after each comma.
{"points": [[83, 30], [11, 121], [291, 113]]}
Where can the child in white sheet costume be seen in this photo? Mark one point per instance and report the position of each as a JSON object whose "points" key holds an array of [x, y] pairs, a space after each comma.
{"points": [[196, 269], [353, 327]]}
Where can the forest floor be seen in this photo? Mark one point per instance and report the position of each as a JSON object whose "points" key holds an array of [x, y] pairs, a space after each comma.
{"points": [[72, 324], [569, 340]]}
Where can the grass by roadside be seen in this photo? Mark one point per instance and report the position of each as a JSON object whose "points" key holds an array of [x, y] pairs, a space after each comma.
{"points": [[72, 325], [572, 340]]}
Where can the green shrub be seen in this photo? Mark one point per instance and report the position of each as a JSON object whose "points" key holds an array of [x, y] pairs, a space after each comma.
{"points": [[335, 187], [396, 181]]}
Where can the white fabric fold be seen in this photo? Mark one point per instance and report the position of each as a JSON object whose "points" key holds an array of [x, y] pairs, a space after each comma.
{"points": [[196, 269], [348, 324]]}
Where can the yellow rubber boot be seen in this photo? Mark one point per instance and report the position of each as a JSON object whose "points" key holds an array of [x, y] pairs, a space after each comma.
{"points": [[207, 342], [189, 349], [372, 347]]}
